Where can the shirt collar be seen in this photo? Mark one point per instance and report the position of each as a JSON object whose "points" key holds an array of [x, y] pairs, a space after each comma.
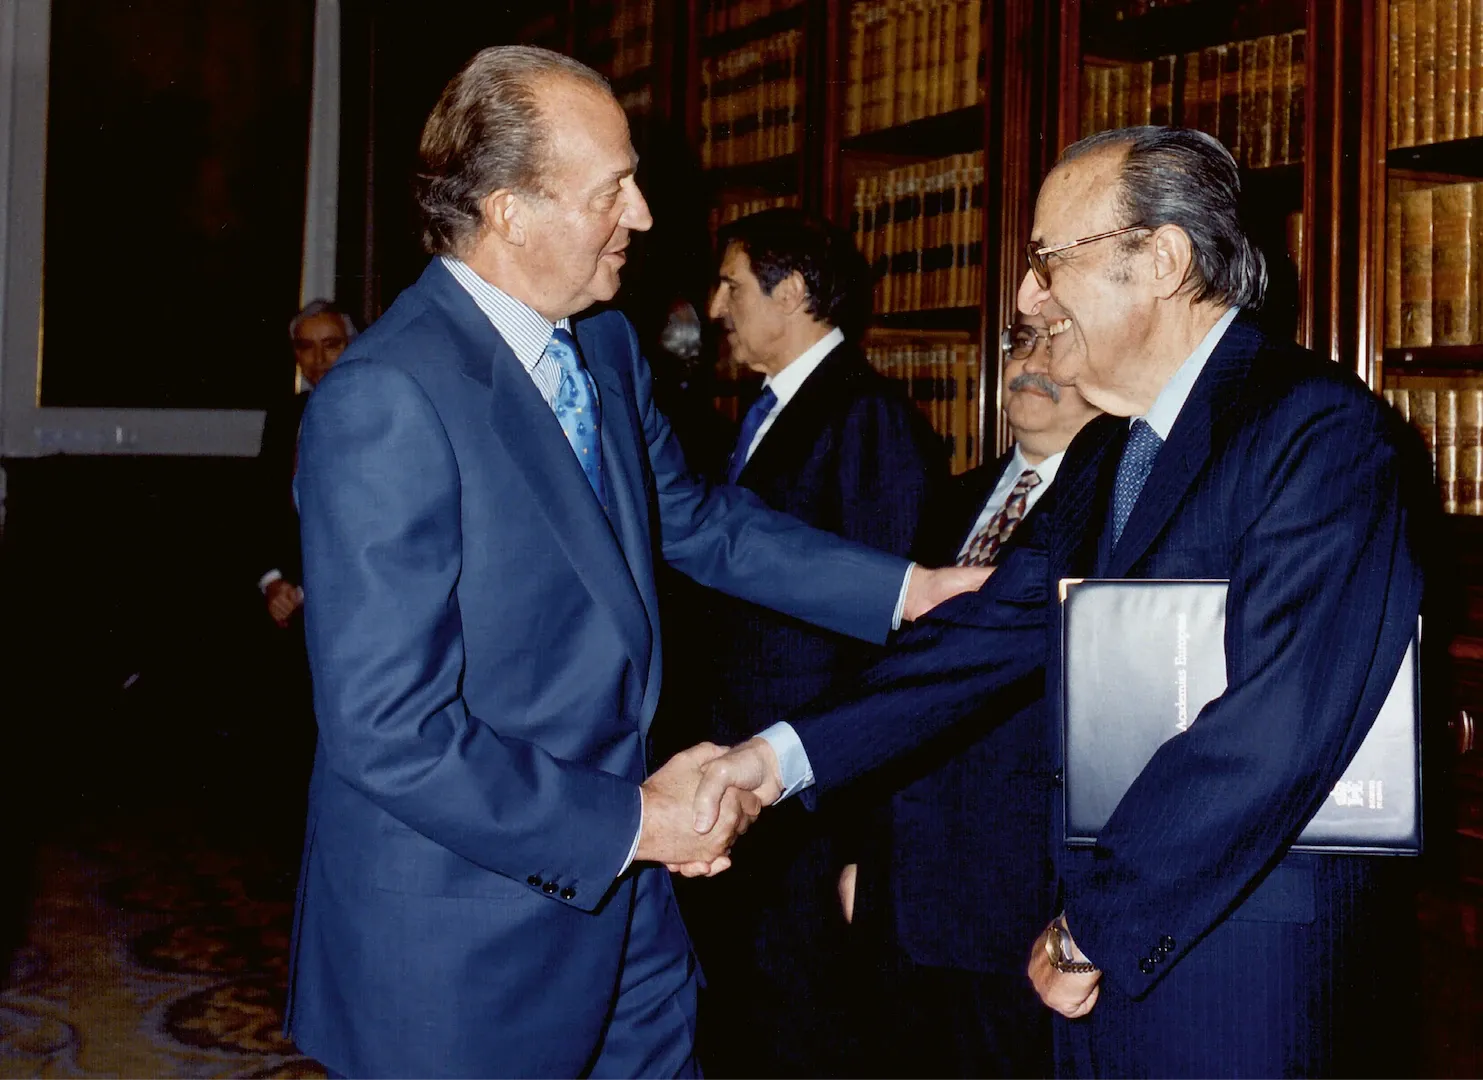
{"points": [[1046, 470], [524, 329], [786, 382], [1167, 406]]}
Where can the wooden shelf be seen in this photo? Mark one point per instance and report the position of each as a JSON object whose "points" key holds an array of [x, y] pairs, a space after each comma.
{"points": [[1459, 157], [787, 19], [956, 132], [774, 176], [1435, 357], [1186, 27]]}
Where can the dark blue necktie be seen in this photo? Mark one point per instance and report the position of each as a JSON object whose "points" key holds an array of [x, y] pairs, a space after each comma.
{"points": [[1138, 454], [750, 423], [576, 407]]}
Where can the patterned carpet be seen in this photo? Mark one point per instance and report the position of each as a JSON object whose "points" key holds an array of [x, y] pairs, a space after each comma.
{"points": [[151, 953]]}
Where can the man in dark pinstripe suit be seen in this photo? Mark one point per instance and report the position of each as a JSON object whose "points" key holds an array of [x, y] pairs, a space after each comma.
{"points": [[1191, 940]]}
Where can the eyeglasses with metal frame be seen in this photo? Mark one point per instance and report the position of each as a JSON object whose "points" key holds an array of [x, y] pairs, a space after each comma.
{"points": [[1036, 254]]}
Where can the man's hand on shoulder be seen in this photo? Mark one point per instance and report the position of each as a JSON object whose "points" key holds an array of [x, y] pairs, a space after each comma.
{"points": [[669, 833], [928, 588], [751, 767]]}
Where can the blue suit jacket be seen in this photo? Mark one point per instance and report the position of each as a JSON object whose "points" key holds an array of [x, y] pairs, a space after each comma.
{"points": [[485, 657], [1222, 951], [971, 790]]}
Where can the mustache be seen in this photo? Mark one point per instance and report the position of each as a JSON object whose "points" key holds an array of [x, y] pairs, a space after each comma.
{"points": [[1034, 380]]}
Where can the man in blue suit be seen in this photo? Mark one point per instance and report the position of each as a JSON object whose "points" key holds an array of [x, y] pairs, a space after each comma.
{"points": [[942, 937], [1192, 940], [485, 487]]}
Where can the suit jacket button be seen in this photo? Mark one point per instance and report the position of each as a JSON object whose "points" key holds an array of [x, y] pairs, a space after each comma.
{"points": [[568, 893], [1146, 966], [549, 888], [534, 881], [1166, 944]]}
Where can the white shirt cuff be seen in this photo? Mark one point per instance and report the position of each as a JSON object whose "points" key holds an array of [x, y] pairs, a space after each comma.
{"points": [[274, 575], [898, 614], [634, 850], [793, 764]]}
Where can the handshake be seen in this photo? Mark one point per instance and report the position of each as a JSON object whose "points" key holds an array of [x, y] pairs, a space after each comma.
{"points": [[701, 800]]}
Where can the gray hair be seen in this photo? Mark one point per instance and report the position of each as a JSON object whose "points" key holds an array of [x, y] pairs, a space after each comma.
{"points": [[1184, 177], [323, 307], [486, 133]]}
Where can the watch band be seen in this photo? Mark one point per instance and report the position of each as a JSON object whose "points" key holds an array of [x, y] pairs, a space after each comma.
{"points": [[1056, 936]]}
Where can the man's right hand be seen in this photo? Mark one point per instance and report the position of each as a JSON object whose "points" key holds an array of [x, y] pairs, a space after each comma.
{"points": [[669, 835], [284, 598], [751, 767]]}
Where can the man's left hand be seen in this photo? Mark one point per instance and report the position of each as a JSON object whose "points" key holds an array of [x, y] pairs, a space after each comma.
{"points": [[928, 588], [1069, 994]]}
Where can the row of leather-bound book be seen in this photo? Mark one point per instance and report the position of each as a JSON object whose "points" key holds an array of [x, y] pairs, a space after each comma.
{"points": [[921, 229], [910, 59], [1434, 265], [1435, 71], [751, 101], [1448, 414], [1248, 94], [722, 15], [940, 373]]}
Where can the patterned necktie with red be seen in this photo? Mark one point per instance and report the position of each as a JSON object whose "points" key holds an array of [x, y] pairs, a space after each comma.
{"points": [[983, 549]]}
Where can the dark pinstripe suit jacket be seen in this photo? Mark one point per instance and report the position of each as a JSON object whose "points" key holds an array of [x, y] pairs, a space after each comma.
{"points": [[1223, 953]]}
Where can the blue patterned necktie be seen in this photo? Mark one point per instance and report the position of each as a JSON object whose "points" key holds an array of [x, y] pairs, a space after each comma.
{"points": [[750, 423], [1138, 454], [576, 407]]}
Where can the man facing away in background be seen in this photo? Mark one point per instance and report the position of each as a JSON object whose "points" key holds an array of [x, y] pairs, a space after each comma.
{"points": [[484, 488]]}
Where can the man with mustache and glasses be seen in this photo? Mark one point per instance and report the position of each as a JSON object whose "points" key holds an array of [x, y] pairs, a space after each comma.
{"points": [[942, 938]]}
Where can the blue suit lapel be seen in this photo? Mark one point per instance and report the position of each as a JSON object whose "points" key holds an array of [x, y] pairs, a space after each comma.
{"points": [[623, 454], [525, 425], [1188, 448]]}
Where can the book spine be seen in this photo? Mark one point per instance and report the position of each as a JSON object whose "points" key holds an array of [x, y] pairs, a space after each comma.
{"points": [[1464, 108], [1470, 451], [1426, 71], [1453, 286], [1230, 99], [1416, 268], [1446, 70], [1281, 99], [1393, 79], [1297, 92], [1261, 152], [1189, 90], [1161, 110], [1209, 71], [972, 29], [1404, 15], [855, 72], [1393, 273], [1447, 449]]}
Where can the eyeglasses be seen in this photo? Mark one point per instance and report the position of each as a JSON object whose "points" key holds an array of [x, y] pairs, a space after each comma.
{"points": [[1036, 254], [1020, 340]]}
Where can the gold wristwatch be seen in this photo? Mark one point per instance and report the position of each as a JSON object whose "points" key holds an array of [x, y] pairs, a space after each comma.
{"points": [[1058, 948]]}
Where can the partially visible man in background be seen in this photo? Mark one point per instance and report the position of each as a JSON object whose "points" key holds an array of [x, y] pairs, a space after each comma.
{"points": [[942, 933], [319, 333], [833, 443]]}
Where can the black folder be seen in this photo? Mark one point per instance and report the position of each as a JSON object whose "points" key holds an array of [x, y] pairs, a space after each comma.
{"points": [[1140, 660]]}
